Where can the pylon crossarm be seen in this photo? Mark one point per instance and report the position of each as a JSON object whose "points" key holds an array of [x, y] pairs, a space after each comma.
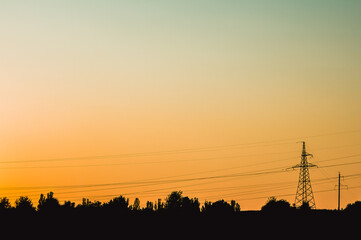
{"points": [[311, 165], [294, 167]]}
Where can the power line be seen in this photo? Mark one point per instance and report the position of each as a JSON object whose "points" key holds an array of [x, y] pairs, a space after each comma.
{"points": [[156, 153], [266, 188], [166, 161], [155, 181], [173, 187], [184, 150], [166, 180], [341, 164], [291, 194], [135, 163], [249, 189], [338, 158], [158, 180]]}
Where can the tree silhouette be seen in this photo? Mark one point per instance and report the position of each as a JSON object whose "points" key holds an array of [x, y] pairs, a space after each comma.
{"points": [[119, 204], [149, 207], [86, 203], [190, 206], [159, 205], [136, 205], [176, 206], [218, 207], [174, 200], [4, 203], [178, 213], [49, 203], [24, 204], [235, 206], [68, 205]]}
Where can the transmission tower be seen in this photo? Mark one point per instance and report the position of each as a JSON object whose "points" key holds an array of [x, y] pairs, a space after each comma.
{"points": [[304, 192]]}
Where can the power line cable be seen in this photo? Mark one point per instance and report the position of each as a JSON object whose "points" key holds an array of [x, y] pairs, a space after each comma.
{"points": [[267, 171], [156, 153], [184, 150], [133, 163]]}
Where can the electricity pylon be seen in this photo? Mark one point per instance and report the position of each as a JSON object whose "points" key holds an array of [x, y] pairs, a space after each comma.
{"points": [[304, 192]]}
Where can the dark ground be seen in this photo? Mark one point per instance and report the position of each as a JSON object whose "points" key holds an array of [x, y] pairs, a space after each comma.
{"points": [[310, 224]]}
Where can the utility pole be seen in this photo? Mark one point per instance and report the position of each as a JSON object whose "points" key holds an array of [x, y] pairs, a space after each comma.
{"points": [[304, 192], [339, 185], [339, 190]]}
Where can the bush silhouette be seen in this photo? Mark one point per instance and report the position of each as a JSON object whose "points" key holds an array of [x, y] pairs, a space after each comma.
{"points": [[305, 206], [274, 205]]}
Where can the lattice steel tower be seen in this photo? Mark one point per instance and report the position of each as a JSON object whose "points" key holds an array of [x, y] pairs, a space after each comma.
{"points": [[304, 192]]}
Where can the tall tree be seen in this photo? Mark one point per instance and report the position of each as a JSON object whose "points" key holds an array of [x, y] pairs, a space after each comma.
{"points": [[136, 204], [49, 203]]}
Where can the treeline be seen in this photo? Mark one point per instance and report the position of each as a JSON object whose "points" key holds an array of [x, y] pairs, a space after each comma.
{"points": [[175, 203], [177, 217]]}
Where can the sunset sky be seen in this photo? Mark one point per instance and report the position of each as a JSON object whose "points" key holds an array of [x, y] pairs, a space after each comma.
{"points": [[139, 98]]}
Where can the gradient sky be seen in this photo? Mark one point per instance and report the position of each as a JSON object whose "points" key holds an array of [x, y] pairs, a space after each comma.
{"points": [[96, 78]]}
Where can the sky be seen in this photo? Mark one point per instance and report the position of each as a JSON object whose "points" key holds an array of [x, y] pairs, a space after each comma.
{"points": [[105, 92]]}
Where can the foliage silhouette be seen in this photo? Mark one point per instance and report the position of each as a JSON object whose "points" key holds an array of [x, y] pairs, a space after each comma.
{"points": [[68, 205], [305, 206], [354, 207], [177, 213], [136, 205], [235, 206], [24, 204], [219, 207], [159, 205], [176, 203], [87, 204], [118, 204], [190, 205], [49, 203], [4, 203], [149, 207], [274, 205]]}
